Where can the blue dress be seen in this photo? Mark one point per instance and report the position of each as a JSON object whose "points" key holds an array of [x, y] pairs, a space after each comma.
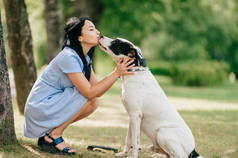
{"points": [[54, 99]]}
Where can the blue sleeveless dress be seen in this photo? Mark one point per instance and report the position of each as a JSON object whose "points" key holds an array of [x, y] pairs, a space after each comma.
{"points": [[54, 99]]}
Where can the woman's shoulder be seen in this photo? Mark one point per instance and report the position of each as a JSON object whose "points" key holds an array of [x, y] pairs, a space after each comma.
{"points": [[69, 52], [67, 57], [66, 51]]}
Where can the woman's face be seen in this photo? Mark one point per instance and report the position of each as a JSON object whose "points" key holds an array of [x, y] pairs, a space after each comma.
{"points": [[90, 35]]}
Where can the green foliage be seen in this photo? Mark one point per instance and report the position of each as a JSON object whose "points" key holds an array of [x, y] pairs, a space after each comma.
{"points": [[163, 46], [177, 30], [132, 20], [202, 29], [67, 9], [103, 63], [165, 30], [199, 73], [38, 28], [160, 67], [41, 58]]}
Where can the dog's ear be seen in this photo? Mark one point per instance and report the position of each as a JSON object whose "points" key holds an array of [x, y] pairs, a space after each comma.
{"points": [[132, 53], [135, 52]]}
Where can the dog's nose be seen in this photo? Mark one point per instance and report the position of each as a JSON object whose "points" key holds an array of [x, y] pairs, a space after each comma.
{"points": [[101, 36]]}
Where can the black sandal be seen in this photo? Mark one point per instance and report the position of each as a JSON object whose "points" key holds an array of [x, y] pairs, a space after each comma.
{"points": [[57, 141], [46, 146]]}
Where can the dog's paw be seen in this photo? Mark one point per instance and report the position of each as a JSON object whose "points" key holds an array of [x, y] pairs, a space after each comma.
{"points": [[121, 154]]}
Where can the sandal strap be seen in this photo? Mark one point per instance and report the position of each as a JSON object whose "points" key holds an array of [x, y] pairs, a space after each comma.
{"points": [[66, 149], [58, 140]]}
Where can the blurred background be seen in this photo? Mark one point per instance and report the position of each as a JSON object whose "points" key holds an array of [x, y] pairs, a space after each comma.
{"points": [[191, 47], [187, 42], [195, 42]]}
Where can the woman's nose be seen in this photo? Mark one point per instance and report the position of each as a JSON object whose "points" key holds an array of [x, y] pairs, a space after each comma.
{"points": [[98, 32]]}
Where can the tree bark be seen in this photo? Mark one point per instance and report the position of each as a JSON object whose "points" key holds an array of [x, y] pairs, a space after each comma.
{"points": [[54, 27], [89, 8], [20, 46], [7, 130]]}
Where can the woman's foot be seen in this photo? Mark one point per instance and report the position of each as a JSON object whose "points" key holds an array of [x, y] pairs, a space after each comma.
{"points": [[47, 139], [59, 143], [47, 145]]}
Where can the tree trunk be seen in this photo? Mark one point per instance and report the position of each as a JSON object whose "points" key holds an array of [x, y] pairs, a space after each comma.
{"points": [[54, 27], [7, 130], [20, 46], [89, 8]]}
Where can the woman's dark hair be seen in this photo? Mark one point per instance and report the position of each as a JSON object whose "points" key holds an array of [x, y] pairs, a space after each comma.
{"points": [[73, 29]]}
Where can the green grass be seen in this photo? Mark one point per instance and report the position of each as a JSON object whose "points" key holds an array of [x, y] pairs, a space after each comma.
{"points": [[224, 92], [215, 134]]}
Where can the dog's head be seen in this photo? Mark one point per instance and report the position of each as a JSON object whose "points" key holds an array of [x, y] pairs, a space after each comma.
{"points": [[119, 48]]}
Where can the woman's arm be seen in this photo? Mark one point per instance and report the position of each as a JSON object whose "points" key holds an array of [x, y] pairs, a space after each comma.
{"points": [[91, 91], [93, 79]]}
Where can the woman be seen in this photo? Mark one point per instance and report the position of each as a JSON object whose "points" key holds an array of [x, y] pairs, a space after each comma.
{"points": [[67, 90]]}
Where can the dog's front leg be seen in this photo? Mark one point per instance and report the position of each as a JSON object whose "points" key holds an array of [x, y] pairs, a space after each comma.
{"points": [[135, 122], [128, 144]]}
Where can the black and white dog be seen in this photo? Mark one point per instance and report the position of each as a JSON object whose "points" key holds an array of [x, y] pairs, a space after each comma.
{"points": [[149, 109]]}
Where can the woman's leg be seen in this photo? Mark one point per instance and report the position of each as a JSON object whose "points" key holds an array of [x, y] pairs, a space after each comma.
{"points": [[90, 109], [86, 110]]}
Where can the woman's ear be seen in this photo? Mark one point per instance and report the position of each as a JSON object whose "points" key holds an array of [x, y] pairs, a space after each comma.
{"points": [[80, 38]]}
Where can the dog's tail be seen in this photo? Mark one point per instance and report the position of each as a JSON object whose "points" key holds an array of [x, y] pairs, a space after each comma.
{"points": [[194, 154]]}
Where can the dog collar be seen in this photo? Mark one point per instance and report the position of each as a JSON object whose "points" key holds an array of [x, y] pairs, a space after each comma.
{"points": [[140, 62]]}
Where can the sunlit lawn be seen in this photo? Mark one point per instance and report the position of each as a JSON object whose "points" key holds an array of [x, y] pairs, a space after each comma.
{"points": [[215, 131], [225, 92]]}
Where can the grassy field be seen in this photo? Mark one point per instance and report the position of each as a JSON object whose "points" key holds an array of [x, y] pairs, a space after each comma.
{"points": [[215, 130], [225, 92]]}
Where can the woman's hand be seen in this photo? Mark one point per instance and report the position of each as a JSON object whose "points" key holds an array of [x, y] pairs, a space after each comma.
{"points": [[123, 66]]}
